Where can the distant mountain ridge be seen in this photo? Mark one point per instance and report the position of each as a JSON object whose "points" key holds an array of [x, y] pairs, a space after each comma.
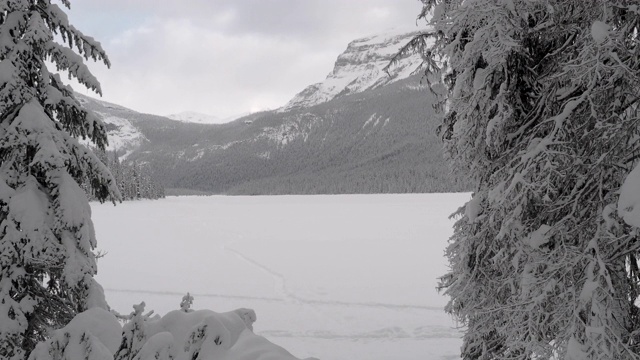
{"points": [[199, 118], [376, 134]]}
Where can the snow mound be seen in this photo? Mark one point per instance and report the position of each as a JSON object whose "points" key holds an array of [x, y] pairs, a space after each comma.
{"points": [[95, 332], [208, 335]]}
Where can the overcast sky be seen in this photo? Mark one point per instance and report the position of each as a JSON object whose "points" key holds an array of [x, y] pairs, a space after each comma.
{"points": [[225, 57]]}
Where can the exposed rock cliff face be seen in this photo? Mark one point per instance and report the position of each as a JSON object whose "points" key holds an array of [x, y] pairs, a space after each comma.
{"points": [[124, 134], [360, 68]]}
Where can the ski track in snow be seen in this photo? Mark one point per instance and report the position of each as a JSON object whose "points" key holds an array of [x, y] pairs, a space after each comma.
{"points": [[280, 285], [278, 279], [388, 333], [281, 288], [288, 295], [206, 295], [321, 308]]}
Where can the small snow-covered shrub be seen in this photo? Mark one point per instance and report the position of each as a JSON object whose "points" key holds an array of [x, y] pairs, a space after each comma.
{"points": [[195, 335], [133, 334], [185, 304]]}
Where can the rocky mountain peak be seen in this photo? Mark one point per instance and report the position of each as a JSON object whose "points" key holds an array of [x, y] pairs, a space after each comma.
{"points": [[359, 68]]}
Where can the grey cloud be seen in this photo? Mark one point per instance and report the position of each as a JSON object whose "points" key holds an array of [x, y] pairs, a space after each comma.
{"points": [[225, 57], [315, 19]]}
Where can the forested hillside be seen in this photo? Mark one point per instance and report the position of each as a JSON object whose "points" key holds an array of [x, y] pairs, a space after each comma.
{"points": [[377, 141]]}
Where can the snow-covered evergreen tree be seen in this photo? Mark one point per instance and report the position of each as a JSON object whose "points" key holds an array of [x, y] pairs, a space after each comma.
{"points": [[542, 113], [46, 234], [134, 180]]}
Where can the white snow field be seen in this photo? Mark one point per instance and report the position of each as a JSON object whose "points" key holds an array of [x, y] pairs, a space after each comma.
{"points": [[332, 277]]}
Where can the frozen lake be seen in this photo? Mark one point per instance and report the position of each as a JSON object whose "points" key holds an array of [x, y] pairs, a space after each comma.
{"points": [[333, 277]]}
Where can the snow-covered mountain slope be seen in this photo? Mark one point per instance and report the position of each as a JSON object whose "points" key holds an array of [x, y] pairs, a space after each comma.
{"points": [[360, 68], [122, 134], [199, 118]]}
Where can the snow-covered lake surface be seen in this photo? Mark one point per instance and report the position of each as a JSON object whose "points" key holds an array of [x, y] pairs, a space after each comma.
{"points": [[333, 277]]}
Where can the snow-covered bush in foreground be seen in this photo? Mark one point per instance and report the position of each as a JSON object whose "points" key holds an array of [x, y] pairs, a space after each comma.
{"points": [[196, 335], [96, 334]]}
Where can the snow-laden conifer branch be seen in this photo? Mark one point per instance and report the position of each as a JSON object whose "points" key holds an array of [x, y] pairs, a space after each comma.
{"points": [[86, 46], [419, 44], [47, 238], [543, 113]]}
